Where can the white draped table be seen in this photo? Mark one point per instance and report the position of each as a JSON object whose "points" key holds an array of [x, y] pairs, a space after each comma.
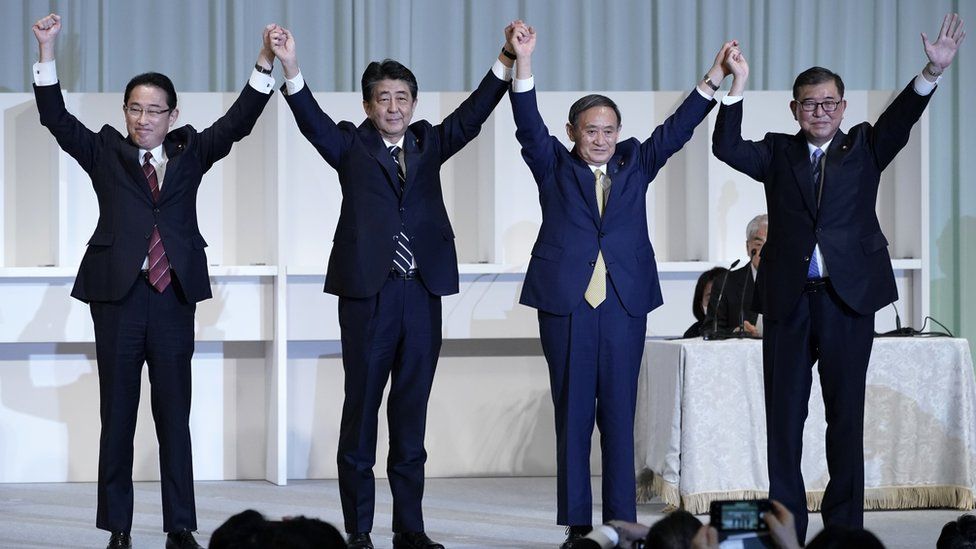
{"points": [[701, 435]]}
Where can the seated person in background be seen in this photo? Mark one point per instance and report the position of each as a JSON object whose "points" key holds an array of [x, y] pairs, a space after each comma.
{"points": [[735, 311], [250, 530], [958, 534], [700, 304]]}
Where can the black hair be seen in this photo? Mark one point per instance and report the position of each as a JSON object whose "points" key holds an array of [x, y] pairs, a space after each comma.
{"points": [[958, 534], [814, 76], [588, 102], [842, 537], [703, 280], [674, 531], [387, 69], [156, 79]]}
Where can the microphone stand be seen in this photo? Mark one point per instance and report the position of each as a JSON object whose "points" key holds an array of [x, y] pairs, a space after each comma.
{"points": [[713, 334]]}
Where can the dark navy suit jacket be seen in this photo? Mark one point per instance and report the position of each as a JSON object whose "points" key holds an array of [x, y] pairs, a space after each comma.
{"points": [[372, 204], [846, 227], [126, 212], [573, 232]]}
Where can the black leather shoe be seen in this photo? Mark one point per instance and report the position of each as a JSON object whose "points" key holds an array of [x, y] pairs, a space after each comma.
{"points": [[414, 540], [359, 541], [119, 540], [574, 533], [181, 540]]}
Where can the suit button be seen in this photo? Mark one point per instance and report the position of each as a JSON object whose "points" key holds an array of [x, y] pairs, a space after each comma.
{"points": [[402, 210], [602, 234], [806, 259], [156, 210], [592, 263]]}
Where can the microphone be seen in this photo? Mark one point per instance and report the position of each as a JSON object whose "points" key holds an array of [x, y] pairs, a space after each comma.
{"points": [[907, 331], [718, 302]]}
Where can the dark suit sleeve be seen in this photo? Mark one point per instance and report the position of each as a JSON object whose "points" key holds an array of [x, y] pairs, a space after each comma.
{"points": [[464, 124], [532, 134], [72, 136], [317, 126], [752, 158], [674, 132], [893, 128], [236, 124]]}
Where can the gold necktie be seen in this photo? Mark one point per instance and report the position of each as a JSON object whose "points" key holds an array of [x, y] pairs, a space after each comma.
{"points": [[596, 291]]}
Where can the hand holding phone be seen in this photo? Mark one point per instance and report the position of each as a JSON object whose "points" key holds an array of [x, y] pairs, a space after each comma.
{"points": [[739, 517]]}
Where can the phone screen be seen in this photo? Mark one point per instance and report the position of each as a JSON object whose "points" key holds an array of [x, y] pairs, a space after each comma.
{"points": [[740, 515]]}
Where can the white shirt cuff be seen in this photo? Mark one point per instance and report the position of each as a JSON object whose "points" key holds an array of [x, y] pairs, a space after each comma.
{"points": [[923, 86], [46, 73], [605, 535], [295, 85], [519, 86], [501, 71], [731, 99], [261, 82], [703, 94]]}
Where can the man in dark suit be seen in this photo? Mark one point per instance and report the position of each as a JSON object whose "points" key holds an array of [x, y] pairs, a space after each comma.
{"points": [[145, 269], [735, 312], [393, 257], [592, 276], [825, 269]]}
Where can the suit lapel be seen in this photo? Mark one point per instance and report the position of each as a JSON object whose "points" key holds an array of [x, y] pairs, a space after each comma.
{"points": [[376, 148], [616, 183], [174, 163], [836, 155], [799, 156], [411, 155], [129, 157], [587, 186]]}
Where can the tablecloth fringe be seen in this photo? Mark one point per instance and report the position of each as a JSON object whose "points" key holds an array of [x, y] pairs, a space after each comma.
{"points": [[651, 485], [908, 497]]}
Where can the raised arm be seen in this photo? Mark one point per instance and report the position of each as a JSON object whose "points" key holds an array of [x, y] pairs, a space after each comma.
{"points": [[266, 54], [530, 129], [718, 71], [943, 50], [282, 45], [735, 62], [46, 31], [521, 40]]}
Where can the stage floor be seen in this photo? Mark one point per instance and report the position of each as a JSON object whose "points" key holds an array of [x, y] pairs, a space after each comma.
{"points": [[462, 513]]}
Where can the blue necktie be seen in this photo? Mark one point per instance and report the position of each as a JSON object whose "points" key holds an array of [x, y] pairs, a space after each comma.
{"points": [[817, 168], [403, 258]]}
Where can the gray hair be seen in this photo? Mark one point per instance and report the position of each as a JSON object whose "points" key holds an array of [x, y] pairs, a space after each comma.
{"points": [[758, 222]]}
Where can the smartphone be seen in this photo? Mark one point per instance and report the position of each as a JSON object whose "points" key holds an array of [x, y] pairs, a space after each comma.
{"points": [[733, 517]]}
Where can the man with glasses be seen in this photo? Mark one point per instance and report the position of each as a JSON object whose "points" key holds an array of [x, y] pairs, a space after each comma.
{"points": [[145, 269], [825, 269]]}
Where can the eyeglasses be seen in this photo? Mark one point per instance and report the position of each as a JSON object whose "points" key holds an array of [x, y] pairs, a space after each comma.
{"points": [[828, 106], [137, 112]]}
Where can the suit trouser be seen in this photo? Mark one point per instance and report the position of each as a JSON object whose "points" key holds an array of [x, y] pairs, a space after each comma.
{"points": [[821, 327], [393, 335], [157, 329], [594, 358]]}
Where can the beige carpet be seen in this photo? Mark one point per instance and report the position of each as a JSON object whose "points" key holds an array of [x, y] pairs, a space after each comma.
{"points": [[461, 513]]}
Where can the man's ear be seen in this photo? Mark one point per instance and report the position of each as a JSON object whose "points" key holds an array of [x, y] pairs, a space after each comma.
{"points": [[793, 107], [173, 115], [569, 132]]}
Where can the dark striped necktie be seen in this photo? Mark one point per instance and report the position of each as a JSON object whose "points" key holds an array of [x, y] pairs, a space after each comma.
{"points": [[159, 275], [403, 256]]}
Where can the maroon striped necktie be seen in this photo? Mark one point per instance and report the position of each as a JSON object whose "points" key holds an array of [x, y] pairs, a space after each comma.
{"points": [[159, 275]]}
